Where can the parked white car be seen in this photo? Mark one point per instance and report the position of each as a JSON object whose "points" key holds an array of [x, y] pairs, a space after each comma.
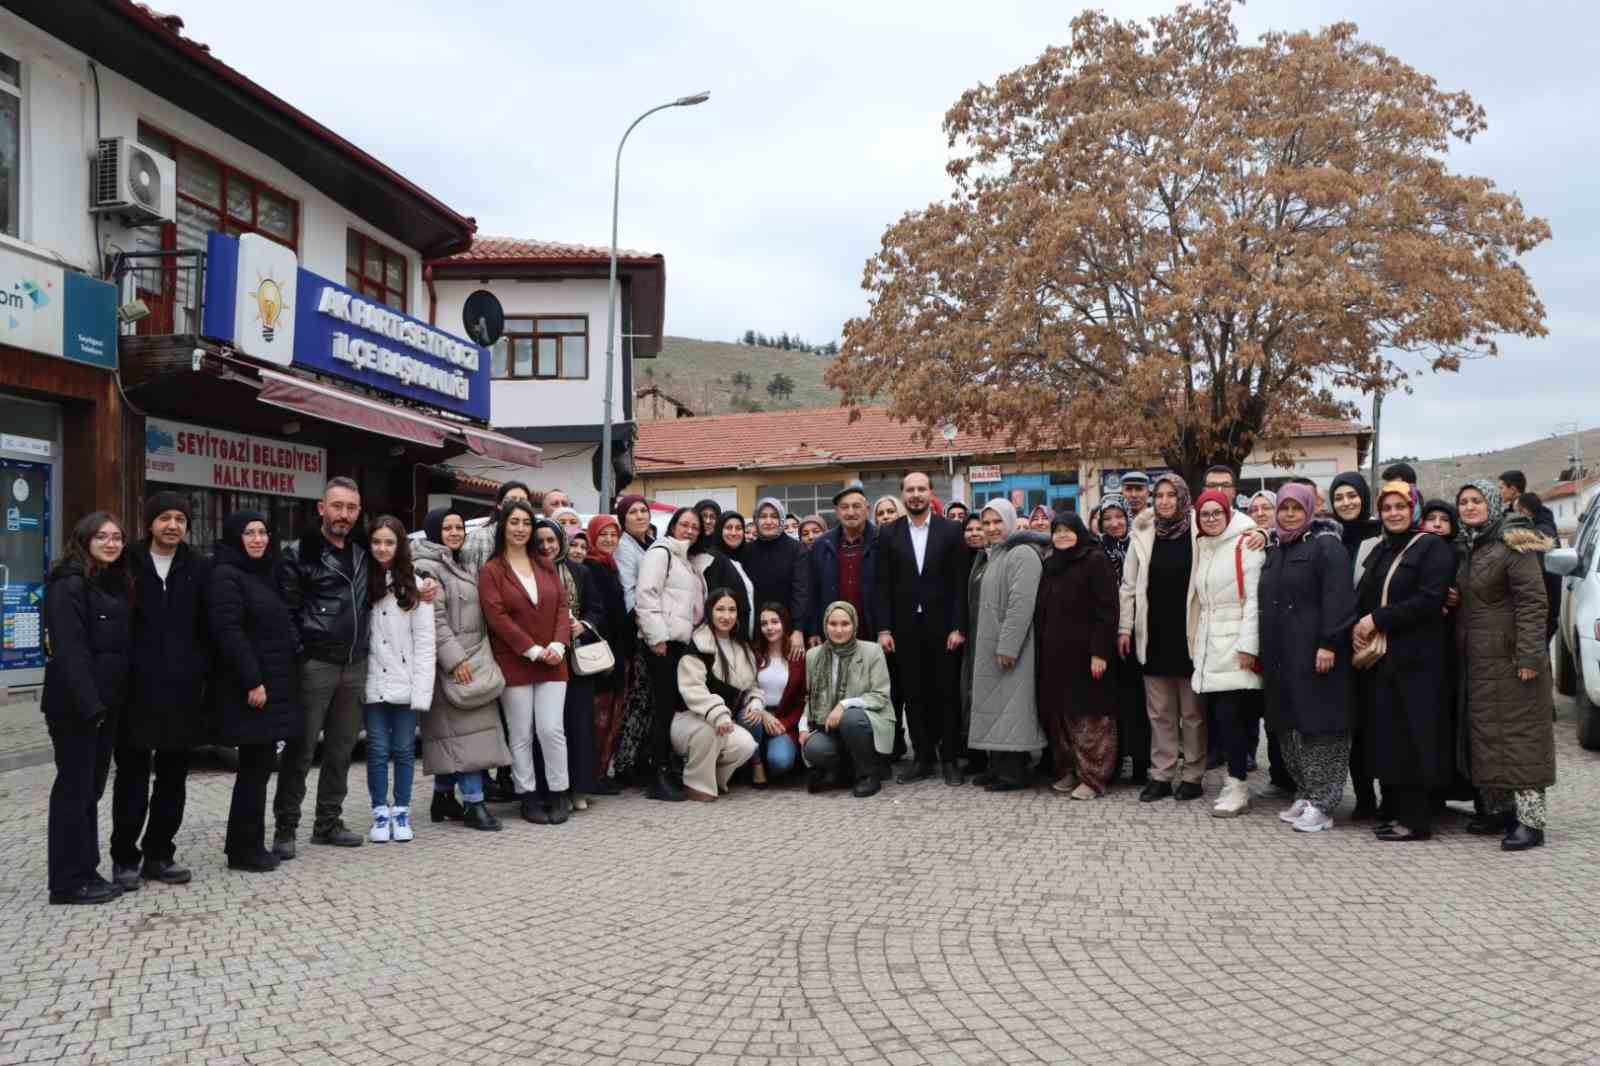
{"points": [[1577, 643]]}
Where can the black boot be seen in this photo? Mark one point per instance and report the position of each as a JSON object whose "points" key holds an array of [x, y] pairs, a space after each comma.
{"points": [[920, 771], [533, 810], [1488, 825], [560, 808], [818, 781], [446, 807], [866, 785], [477, 816], [952, 775], [663, 787], [259, 862]]}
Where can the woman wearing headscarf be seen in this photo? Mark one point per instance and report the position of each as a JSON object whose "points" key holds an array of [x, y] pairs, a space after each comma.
{"points": [[461, 735], [1005, 714], [1351, 501], [255, 685], [957, 512], [710, 513], [670, 603], [1133, 724], [848, 727], [587, 624], [1224, 637], [1039, 519], [1408, 713], [1307, 609], [638, 700], [724, 554], [812, 526], [772, 563], [618, 630], [1263, 508], [1075, 622], [1154, 625], [1504, 666]]}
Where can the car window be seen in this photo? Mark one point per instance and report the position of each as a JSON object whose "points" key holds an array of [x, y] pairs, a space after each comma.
{"points": [[1586, 540]]}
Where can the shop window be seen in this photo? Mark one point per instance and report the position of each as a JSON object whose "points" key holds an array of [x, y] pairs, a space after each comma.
{"points": [[288, 516], [801, 500], [10, 144], [543, 346], [375, 270]]}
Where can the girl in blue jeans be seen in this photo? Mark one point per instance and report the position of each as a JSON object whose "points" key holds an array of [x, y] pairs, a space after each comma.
{"points": [[783, 692], [400, 657]]}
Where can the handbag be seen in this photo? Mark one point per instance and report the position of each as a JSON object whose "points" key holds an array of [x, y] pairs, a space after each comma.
{"points": [[591, 659], [1368, 657], [487, 681]]}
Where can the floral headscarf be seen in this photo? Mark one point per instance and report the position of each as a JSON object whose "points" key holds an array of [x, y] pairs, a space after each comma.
{"points": [[1497, 510], [1178, 525]]}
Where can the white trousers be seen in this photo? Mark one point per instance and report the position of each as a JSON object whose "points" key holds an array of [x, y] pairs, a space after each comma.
{"points": [[709, 760], [537, 708]]}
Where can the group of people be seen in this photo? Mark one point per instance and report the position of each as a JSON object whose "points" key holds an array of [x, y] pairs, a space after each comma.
{"points": [[545, 660]]}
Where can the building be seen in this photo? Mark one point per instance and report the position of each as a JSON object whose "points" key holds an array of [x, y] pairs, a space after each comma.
{"points": [[271, 277], [549, 368], [1569, 501], [803, 457]]}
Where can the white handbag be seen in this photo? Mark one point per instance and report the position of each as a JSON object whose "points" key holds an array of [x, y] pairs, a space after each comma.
{"points": [[591, 659]]}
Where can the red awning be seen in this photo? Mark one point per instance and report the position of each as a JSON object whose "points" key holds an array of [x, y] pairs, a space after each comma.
{"points": [[493, 445], [335, 405]]}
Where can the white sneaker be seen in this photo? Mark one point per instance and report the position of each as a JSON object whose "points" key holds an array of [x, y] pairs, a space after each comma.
{"points": [[1292, 813], [400, 817], [1234, 801], [380, 826], [1313, 820], [580, 802]]}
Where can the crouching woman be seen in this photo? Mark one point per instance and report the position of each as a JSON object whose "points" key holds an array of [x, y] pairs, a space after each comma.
{"points": [[848, 727], [717, 680]]}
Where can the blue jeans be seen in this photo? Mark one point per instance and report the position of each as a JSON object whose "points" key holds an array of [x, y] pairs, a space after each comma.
{"points": [[391, 734], [470, 782], [777, 753]]}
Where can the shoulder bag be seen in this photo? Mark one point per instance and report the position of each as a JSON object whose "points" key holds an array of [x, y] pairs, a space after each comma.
{"points": [[593, 658], [487, 681], [1368, 657]]}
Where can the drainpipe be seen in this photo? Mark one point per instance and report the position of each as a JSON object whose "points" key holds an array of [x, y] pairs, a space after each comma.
{"points": [[433, 297]]}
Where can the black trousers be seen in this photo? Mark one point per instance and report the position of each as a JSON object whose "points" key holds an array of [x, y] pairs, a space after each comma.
{"points": [[1235, 715], [664, 687], [1133, 721], [1410, 805], [1278, 767], [849, 751], [137, 807], [83, 761], [931, 679], [247, 814]]}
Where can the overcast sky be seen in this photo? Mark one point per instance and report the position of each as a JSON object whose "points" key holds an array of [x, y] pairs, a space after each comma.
{"points": [[824, 127]]}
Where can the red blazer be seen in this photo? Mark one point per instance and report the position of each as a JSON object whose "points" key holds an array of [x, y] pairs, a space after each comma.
{"points": [[794, 697], [515, 624]]}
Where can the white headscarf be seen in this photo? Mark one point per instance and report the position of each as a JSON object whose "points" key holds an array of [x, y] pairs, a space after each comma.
{"points": [[1008, 515]]}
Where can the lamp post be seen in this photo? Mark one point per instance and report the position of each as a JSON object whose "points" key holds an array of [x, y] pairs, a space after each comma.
{"points": [[607, 479]]}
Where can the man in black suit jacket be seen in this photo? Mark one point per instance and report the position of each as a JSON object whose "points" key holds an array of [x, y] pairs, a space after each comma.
{"points": [[922, 616]]}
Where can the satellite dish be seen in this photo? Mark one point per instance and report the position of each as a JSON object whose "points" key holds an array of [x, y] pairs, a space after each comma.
{"points": [[949, 432], [484, 318]]}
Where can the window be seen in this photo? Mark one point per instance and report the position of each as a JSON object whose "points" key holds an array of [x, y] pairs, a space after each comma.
{"points": [[802, 500], [376, 271], [543, 347], [10, 144]]}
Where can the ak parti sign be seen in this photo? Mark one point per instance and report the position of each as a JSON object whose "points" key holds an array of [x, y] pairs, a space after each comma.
{"points": [[181, 454]]}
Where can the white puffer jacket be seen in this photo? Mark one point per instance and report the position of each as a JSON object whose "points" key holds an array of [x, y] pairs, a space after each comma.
{"points": [[400, 654], [1222, 622], [670, 591]]}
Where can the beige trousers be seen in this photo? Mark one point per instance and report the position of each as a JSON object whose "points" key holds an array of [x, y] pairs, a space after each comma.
{"points": [[709, 760], [1177, 723]]}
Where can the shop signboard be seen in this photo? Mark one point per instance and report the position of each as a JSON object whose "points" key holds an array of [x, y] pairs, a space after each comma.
{"points": [[181, 454], [980, 475], [266, 311], [45, 308]]}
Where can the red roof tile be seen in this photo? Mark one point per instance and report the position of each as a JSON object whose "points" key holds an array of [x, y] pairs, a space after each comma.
{"points": [[513, 250], [1567, 488], [819, 436]]}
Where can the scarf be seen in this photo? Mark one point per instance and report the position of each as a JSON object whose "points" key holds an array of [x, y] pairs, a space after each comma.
{"points": [[1058, 560], [1116, 548], [828, 674], [1178, 525], [1362, 527], [231, 547], [1008, 518], [1211, 496], [597, 525], [1041, 511], [772, 502], [718, 544], [1446, 509], [1300, 494], [1497, 511], [1272, 502]]}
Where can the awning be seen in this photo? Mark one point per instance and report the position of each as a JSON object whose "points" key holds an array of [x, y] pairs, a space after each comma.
{"points": [[336, 405], [493, 445]]}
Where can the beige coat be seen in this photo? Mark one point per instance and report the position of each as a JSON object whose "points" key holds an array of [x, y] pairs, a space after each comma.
{"points": [[454, 739]]}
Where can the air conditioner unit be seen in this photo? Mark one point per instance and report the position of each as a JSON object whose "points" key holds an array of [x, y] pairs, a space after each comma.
{"points": [[135, 182]]}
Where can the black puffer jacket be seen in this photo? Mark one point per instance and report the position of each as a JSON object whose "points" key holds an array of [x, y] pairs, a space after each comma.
{"points": [[257, 644], [329, 603], [1307, 601], [87, 623], [171, 652]]}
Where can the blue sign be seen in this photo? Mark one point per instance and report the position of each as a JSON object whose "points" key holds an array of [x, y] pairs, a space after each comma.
{"points": [[89, 328], [337, 331], [46, 308]]}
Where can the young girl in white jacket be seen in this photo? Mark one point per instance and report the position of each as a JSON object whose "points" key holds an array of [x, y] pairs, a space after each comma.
{"points": [[1224, 637], [400, 659]]}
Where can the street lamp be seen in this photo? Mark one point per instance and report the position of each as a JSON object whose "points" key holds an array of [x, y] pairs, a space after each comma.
{"points": [[606, 475]]}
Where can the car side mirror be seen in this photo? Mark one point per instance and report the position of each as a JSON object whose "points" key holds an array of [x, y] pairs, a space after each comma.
{"points": [[1563, 562]]}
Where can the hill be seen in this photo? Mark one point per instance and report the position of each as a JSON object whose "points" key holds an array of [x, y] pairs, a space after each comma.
{"points": [[1543, 461], [700, 374]]}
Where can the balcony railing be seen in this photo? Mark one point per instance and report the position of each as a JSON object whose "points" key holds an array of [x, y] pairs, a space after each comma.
{"points": [[170, 283]]}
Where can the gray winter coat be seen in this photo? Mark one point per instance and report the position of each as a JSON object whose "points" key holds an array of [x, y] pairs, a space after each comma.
{"points": [[1005, 715], [455, 740]]}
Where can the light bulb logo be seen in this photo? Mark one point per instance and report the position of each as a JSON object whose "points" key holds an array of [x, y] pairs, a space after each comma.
{"points": [[269, 306]]}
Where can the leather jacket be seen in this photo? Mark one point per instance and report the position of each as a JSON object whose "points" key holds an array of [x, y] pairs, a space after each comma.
{"points": [[329, 605]]}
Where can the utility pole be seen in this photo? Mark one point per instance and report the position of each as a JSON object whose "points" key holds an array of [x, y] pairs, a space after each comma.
{"points": [[1377, 416]]}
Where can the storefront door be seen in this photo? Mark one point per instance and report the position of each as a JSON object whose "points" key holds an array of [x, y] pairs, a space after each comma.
{"points": [[1028, 491], [24, 562]]}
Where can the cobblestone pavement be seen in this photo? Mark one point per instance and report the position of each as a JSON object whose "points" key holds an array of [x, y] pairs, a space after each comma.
{"points": [[927, 925]]}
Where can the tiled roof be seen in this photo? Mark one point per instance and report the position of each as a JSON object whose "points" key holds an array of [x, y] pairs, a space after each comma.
{"points": [[511, 250], [1567, 488], [820, 436]]}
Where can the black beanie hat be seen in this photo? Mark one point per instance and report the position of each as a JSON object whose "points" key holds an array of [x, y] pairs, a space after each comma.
{"points": [[165, 500]]}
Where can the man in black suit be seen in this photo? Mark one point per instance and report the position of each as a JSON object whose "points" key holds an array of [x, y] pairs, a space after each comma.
{"points": [[922, 614]]}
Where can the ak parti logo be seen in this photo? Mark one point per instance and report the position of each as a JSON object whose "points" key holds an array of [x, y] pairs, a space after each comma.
{"points": [[270, 305]]}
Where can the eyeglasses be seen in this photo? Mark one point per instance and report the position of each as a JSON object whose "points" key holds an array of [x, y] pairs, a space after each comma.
{"points": [[107, 538], [1219, 484]]}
